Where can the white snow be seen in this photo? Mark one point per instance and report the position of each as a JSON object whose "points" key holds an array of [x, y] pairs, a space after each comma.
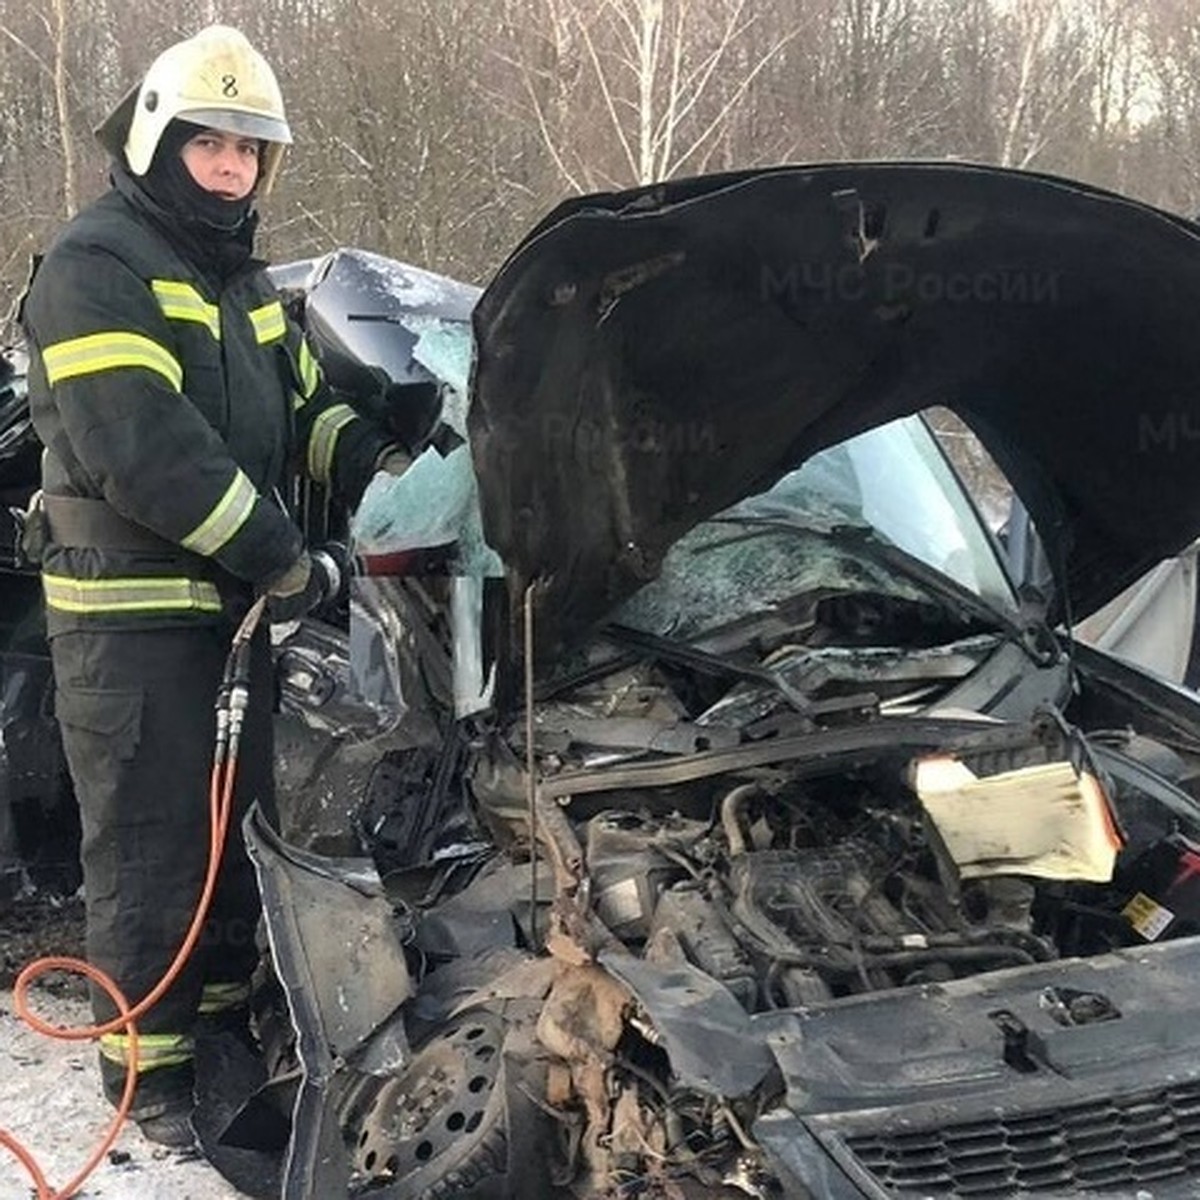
{"points": [[50, 1099]]}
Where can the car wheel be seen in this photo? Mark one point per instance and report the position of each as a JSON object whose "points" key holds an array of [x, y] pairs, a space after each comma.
{"points": [[437, 1129]]}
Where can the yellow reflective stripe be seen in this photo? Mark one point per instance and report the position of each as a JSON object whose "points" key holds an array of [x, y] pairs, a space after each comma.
{"points": [[180, 301], [323, 440], [220, 997], [298, 401], [268, 322], [109, 351], [129, 595], [154, 1049], [310, 373], [229, 514]]}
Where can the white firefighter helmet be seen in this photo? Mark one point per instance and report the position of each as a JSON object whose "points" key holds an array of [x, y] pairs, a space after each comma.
{"points": [[215, 78]]}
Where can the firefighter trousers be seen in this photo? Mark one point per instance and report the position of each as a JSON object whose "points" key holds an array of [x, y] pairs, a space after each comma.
{"points": [[136, 711]]}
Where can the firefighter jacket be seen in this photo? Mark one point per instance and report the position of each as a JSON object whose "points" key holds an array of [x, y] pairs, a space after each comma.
{"points": [[182, 400]]}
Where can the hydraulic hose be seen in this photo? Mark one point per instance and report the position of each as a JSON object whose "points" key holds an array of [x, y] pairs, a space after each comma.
{"points": [[232, 699]]}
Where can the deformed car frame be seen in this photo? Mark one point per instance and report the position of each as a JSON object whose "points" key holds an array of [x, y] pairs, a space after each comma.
{"points": [[685, 924]]}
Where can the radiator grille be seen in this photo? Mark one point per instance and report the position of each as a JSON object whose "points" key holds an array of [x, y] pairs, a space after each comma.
{"points": [[1097, 1146]]}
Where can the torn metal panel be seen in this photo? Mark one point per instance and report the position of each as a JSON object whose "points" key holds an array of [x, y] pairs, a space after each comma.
{"points": [[332, 942], [704, 1030], [336, 951], [1151, 623], [366, 315], [399, 668], [487, 914]]}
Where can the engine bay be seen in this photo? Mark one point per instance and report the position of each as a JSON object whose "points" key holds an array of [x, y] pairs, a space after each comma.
{"points": [[733, 845], [792, 884]]}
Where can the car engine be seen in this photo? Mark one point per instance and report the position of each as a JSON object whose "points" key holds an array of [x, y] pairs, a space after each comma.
{"points": [[793, 900]]}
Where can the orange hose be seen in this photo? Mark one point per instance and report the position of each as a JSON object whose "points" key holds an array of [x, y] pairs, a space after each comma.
{"points": [[220, 803]]}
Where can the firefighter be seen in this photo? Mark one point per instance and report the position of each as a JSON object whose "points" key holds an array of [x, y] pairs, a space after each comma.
{"points": [[173, 395]]}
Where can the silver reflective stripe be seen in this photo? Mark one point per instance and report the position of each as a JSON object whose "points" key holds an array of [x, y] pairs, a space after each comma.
{"points": [[109, 351], [180, 301], [228, 515], [269, 324], [154, 1049], [129, 595], [220, 997], [323, 440]]}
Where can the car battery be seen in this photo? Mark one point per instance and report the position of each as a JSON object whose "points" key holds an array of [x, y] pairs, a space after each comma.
{"points": [[1163, 885]]}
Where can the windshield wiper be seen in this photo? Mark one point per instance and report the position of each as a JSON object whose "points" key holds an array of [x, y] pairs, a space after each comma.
{"points": [[866, 540], [1028, 630], [707, 663], [916, 570]]}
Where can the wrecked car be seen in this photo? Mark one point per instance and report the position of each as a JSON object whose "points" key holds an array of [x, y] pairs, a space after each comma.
{"points": [[757, 833], [39, 821], [690, 802]]}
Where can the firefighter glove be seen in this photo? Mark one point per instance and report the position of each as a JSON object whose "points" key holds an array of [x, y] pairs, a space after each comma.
{"points": [[394, 461], [311, 581]]}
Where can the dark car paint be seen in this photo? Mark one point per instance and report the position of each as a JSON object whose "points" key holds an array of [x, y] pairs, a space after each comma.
{"points": [[666, 350], [801, 1146]]}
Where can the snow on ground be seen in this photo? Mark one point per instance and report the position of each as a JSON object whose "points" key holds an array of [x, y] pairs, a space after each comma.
{"points": [[50, 1099]]}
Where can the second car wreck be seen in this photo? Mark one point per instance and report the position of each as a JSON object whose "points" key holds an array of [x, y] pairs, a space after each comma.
{"points": [[760, 838]]}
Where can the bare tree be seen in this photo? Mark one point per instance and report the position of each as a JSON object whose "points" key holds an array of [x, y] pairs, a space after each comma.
{"points": [[1053, 72], [632, 91], [66, 136], [1173, 53], [438, 131]]}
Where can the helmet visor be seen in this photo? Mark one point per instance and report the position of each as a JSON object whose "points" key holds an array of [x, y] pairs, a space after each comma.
{"points": [[227, 120]]}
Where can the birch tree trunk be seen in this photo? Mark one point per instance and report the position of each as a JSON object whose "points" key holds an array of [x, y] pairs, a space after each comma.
{"points": [[66, 137]]}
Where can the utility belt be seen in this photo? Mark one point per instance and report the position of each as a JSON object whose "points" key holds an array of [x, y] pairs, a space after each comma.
{"points": [[80, 522], [168, 583], [95, 524]]}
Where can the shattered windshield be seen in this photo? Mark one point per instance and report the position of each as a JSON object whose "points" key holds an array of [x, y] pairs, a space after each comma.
{"points": [[817, 531], [891, 484]]}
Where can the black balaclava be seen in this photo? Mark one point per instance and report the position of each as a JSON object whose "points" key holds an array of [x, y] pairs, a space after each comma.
{"points": [[215, 233]]}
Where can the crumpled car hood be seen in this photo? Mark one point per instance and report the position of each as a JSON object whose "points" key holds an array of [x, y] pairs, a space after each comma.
{"points": [[647, 358]]}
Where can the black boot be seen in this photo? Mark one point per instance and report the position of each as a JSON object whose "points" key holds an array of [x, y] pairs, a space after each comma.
{"points": [[162, 1105], [172, 1129]]}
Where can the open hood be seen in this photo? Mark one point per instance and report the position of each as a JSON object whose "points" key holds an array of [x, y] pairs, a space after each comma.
{"points": [[647, 358]]}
